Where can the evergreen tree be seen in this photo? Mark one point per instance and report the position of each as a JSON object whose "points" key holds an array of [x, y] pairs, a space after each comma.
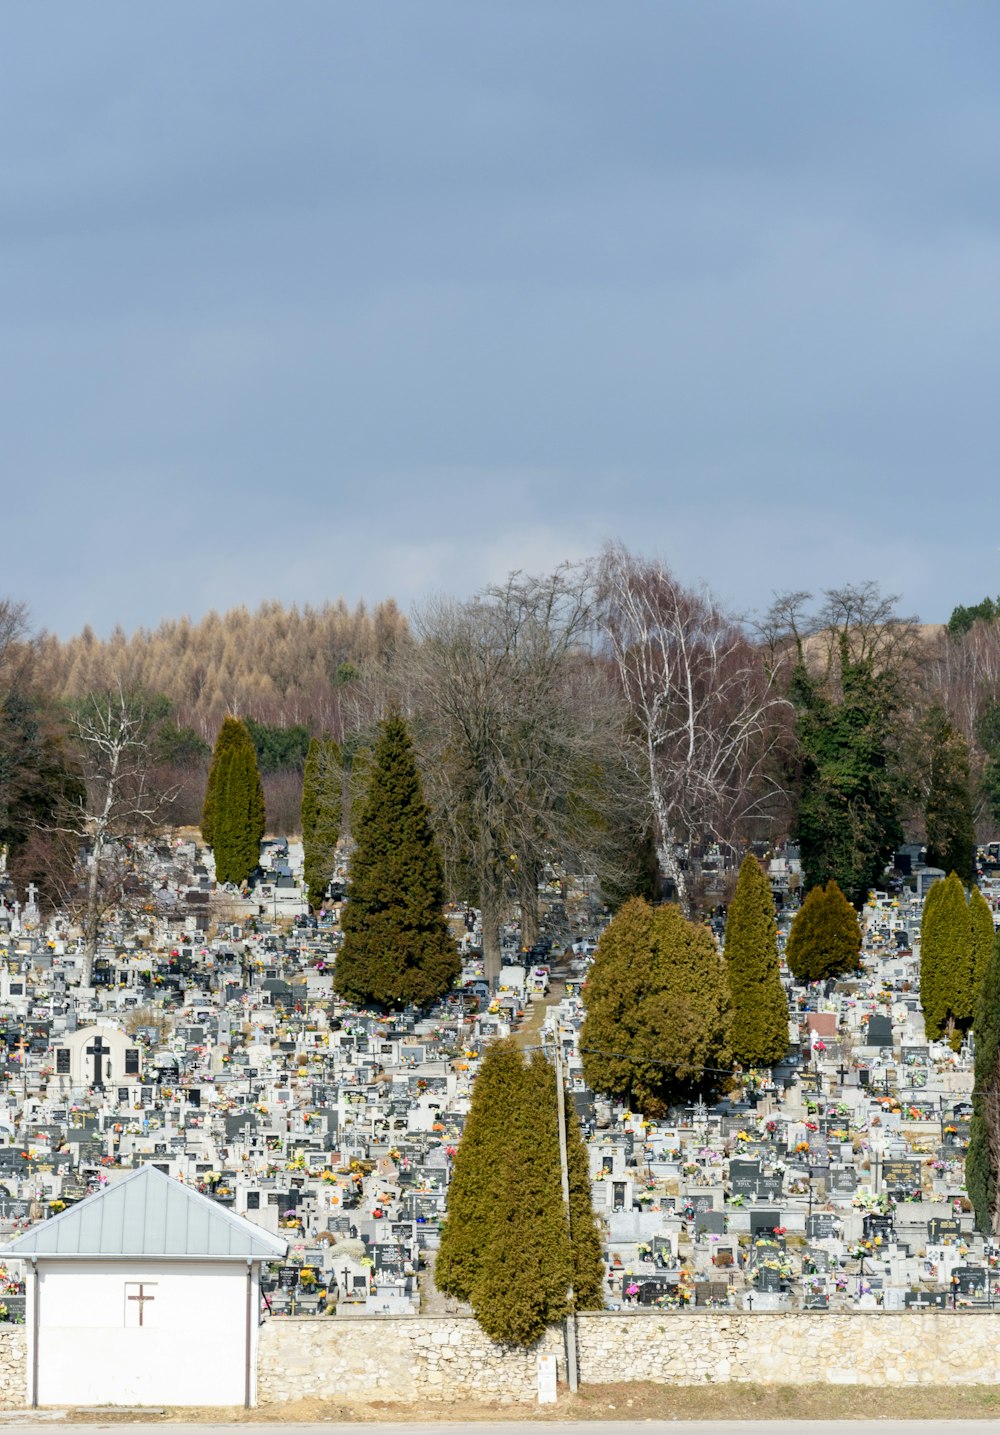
{"points": [[476, 1187], [238, 820], [848, 815], [981, 917], [523, 1279], [321, 811], [951, 832], [980, 1166], [397, 948], [947, 976], [825, 939], [657, 1010], [231, 734], [759, 1035], [505, 1245], [587, 1255]]}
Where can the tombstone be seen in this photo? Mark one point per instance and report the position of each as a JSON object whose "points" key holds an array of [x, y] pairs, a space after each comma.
{"points": [[972, 1283], [763, 1223], [820, 1226], [901, 1177], [943, 1228], [925, 1300], [879, 1032], [709, 1223], [743, 1177]]}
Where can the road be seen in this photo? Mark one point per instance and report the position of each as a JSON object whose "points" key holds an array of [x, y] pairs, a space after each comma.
{"points": [[567, 1427]]}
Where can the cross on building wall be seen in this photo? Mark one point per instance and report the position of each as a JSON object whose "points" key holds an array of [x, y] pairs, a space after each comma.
{"points": [[97, 1049], [142, 1298]]}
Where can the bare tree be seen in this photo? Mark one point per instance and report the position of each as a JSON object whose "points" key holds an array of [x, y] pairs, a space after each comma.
{"points": [[111, 734], [518, 738], [703, 703]]}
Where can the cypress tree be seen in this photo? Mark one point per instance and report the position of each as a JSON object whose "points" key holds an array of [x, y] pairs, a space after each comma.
{"points": [[397, 948], [981, 917], [759, 1035], [238, 822], [522, 1281], [505, 1245], [476, 1186], [656, 1030], [825, 939], [230, 735], [321, 811], [980, 1167], [587, 1254], [947, 978]]}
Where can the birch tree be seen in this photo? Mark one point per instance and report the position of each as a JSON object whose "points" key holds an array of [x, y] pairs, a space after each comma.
{"points": [[704, 711], [110, 733]]}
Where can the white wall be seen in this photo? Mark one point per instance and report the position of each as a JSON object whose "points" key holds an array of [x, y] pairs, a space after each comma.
{"points": [[190, 1349]]}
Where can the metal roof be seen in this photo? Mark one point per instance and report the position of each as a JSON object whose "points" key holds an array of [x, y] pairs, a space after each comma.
{"points": [[148, 1214]]}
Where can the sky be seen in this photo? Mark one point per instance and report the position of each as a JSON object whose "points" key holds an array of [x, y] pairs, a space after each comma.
{"points": [[373, 299]]}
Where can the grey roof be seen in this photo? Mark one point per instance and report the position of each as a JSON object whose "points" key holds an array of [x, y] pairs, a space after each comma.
{"points": [[148, 1214]]}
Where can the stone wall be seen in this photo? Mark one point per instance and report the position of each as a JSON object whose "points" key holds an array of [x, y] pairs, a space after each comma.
{"points": [[13, 1366], [401, 1358], [448, 1358]]}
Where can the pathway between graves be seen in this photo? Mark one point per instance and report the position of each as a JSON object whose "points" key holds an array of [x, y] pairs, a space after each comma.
{"points": [[529, 1032]]}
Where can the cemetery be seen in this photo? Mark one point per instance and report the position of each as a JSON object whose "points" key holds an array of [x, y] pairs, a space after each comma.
{"points": [[815, 1216]]}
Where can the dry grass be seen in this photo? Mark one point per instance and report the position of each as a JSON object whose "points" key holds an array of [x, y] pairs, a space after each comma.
{"points": [[725, 1401]]}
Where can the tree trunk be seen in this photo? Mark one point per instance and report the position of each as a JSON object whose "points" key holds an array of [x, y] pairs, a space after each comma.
{"points": [[527, 891], [90, 922], [490, 909]]}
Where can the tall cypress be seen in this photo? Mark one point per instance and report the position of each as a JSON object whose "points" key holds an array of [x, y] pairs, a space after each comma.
{"points": [[947, 977], [983, 934], [476, 1186], [759, 1033], [825, 939], [397, 948], [522, 1282], [981, 1176], [506, 1246], [230, 735], [321, 812], [238, 817]]}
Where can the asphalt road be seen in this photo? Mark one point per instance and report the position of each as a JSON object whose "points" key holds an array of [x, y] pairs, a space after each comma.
{"points": [[513, 1427]]}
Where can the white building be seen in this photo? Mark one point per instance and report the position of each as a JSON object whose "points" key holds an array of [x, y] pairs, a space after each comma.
{"points": [[146, 1293]]}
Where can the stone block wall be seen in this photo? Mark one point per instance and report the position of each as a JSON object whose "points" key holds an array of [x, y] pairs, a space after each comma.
{"points": [[408, 1359], [13, 1366], [401, 1358]]}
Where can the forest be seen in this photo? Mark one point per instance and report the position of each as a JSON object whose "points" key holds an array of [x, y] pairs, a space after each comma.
{"points": [[605, 718]]}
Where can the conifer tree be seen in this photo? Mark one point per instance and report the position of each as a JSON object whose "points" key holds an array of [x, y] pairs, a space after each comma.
{"points": [[947, 977], [238, 821], [587, 1255], [657, 1010], [523, 1279], [951, 831], [505, 1245], [759, 1035], [397, 948], [476, 1187], [981, 917], [321, 811], [230, 735], [981, 1174], [825, 939]]}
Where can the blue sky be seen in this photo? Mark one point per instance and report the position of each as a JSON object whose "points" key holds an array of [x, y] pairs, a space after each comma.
{"points": [[372, 299]]}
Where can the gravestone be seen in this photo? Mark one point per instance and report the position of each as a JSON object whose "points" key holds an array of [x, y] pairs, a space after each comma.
{"points": [[879, 1031], [943, 1228], [820, 1226], [901, 1177], [710, 1223]]}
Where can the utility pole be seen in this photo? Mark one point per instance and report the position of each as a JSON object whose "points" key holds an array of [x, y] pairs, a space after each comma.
{"points": [[571, 1371]]}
